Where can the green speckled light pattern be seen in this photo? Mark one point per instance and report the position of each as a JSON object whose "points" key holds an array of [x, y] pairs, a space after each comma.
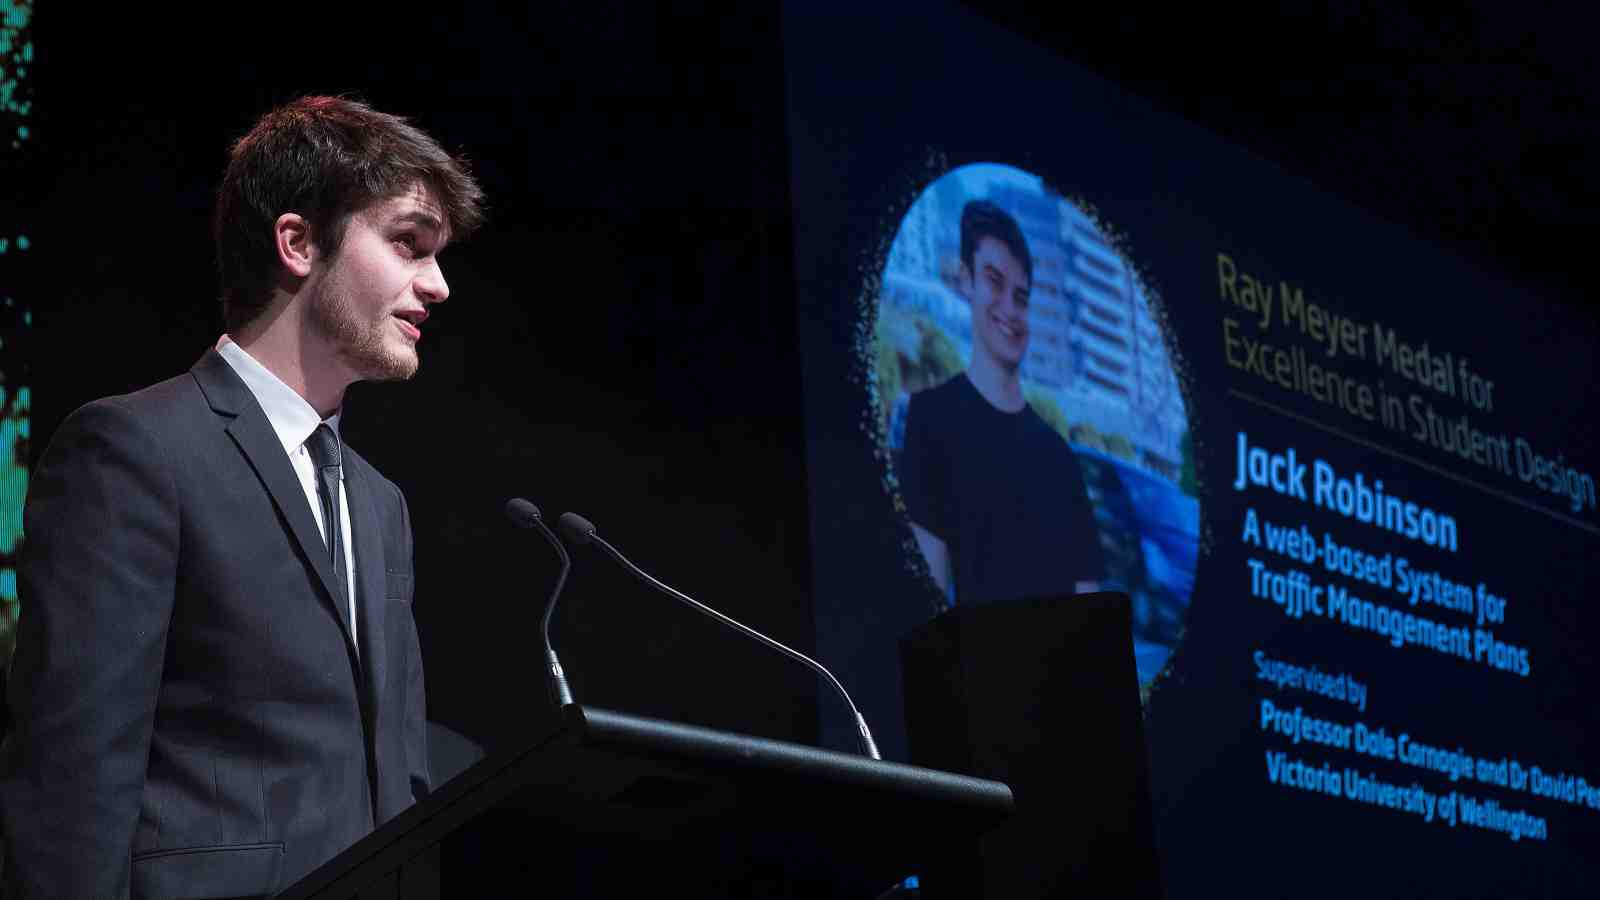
{"points": [[18, 136]]}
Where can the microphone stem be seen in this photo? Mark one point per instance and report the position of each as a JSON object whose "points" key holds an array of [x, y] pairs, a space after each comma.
{"points": [[561, 693], [868, 746]]}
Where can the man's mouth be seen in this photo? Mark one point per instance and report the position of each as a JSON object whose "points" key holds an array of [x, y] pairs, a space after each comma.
{"points": [[410, 322], [1007, 331]]}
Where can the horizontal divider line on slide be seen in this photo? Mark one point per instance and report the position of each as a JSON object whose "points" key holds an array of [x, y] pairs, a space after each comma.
{"points": [[1493, 492]]}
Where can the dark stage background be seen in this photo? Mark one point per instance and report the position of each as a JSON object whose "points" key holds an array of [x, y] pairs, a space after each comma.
{"points": [[621, 337]]}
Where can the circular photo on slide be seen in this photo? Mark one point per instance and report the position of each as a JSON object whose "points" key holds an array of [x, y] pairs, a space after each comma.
{"points": [[1035, 429]]}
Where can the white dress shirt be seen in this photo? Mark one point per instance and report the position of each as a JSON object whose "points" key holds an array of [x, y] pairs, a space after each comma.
{"points": [[293, 419]]}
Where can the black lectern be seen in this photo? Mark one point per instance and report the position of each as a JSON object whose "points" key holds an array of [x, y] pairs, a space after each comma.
{"points": [[614, 805], [1044, 695]]}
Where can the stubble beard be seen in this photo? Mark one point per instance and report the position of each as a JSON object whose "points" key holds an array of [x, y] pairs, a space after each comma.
{"points": [[362, 345]]}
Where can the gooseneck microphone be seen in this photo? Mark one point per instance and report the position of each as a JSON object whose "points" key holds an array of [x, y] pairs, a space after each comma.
{"points": [[581, 531], [526, 515]]}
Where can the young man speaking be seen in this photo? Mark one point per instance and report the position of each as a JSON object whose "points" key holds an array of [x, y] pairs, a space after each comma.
{"points": [[217, 683]]}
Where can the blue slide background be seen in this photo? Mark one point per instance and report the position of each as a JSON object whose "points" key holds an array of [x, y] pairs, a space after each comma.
{"points": [[881, 104]]}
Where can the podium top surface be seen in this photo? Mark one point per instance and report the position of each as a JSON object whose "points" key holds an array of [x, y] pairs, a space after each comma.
{"points": [[610, 775], [979, 798]]}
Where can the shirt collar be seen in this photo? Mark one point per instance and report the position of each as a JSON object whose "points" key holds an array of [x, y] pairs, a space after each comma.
{"points": [[292, 418]]}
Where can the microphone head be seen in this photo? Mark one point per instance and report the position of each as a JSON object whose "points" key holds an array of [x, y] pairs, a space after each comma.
{"points": [[575, 528], [522, 513]]}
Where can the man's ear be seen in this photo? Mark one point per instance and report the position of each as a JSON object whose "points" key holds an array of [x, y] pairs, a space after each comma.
{"points": [[291, 235]]}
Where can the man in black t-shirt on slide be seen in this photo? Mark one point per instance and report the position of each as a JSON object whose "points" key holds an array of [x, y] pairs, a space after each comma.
{"points": [[995, 495]]}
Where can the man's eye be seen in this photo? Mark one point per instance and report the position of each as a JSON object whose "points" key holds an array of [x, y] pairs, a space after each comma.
{"points": [[408, 242]]}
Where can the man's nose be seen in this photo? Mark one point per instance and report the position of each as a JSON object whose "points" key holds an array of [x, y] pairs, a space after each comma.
{"points": [[430, 284]]}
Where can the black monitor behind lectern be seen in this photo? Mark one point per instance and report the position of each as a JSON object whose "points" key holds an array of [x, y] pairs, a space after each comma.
{"points": [[614, 805], [1044, 696]]}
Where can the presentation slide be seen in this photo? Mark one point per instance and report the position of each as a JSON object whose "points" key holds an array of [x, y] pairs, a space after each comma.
{"points": [[1056, 340]]}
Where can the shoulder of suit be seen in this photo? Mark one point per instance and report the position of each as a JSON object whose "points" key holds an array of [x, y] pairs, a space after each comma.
{"points": [[164, 398], [154, 425], [157, 408]]}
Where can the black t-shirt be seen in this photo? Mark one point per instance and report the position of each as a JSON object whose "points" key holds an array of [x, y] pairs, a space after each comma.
{"points": [[1003, 491]]}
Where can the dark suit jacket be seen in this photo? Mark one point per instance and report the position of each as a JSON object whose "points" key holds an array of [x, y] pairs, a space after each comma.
{"points": [[190, 717]]}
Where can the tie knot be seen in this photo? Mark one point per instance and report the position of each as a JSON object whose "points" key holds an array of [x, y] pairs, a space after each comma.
{"points": [[323, 445]]}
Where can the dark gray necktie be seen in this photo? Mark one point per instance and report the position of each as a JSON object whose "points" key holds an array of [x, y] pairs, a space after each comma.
{"points": [[324, 448]]}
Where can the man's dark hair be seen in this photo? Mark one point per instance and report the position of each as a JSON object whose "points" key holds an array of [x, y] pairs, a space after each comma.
{"points": [[324, 158], [983, 218]]}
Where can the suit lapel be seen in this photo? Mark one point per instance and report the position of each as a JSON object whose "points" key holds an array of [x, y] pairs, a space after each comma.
{"points": [[371, 602], [255, 438]]}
